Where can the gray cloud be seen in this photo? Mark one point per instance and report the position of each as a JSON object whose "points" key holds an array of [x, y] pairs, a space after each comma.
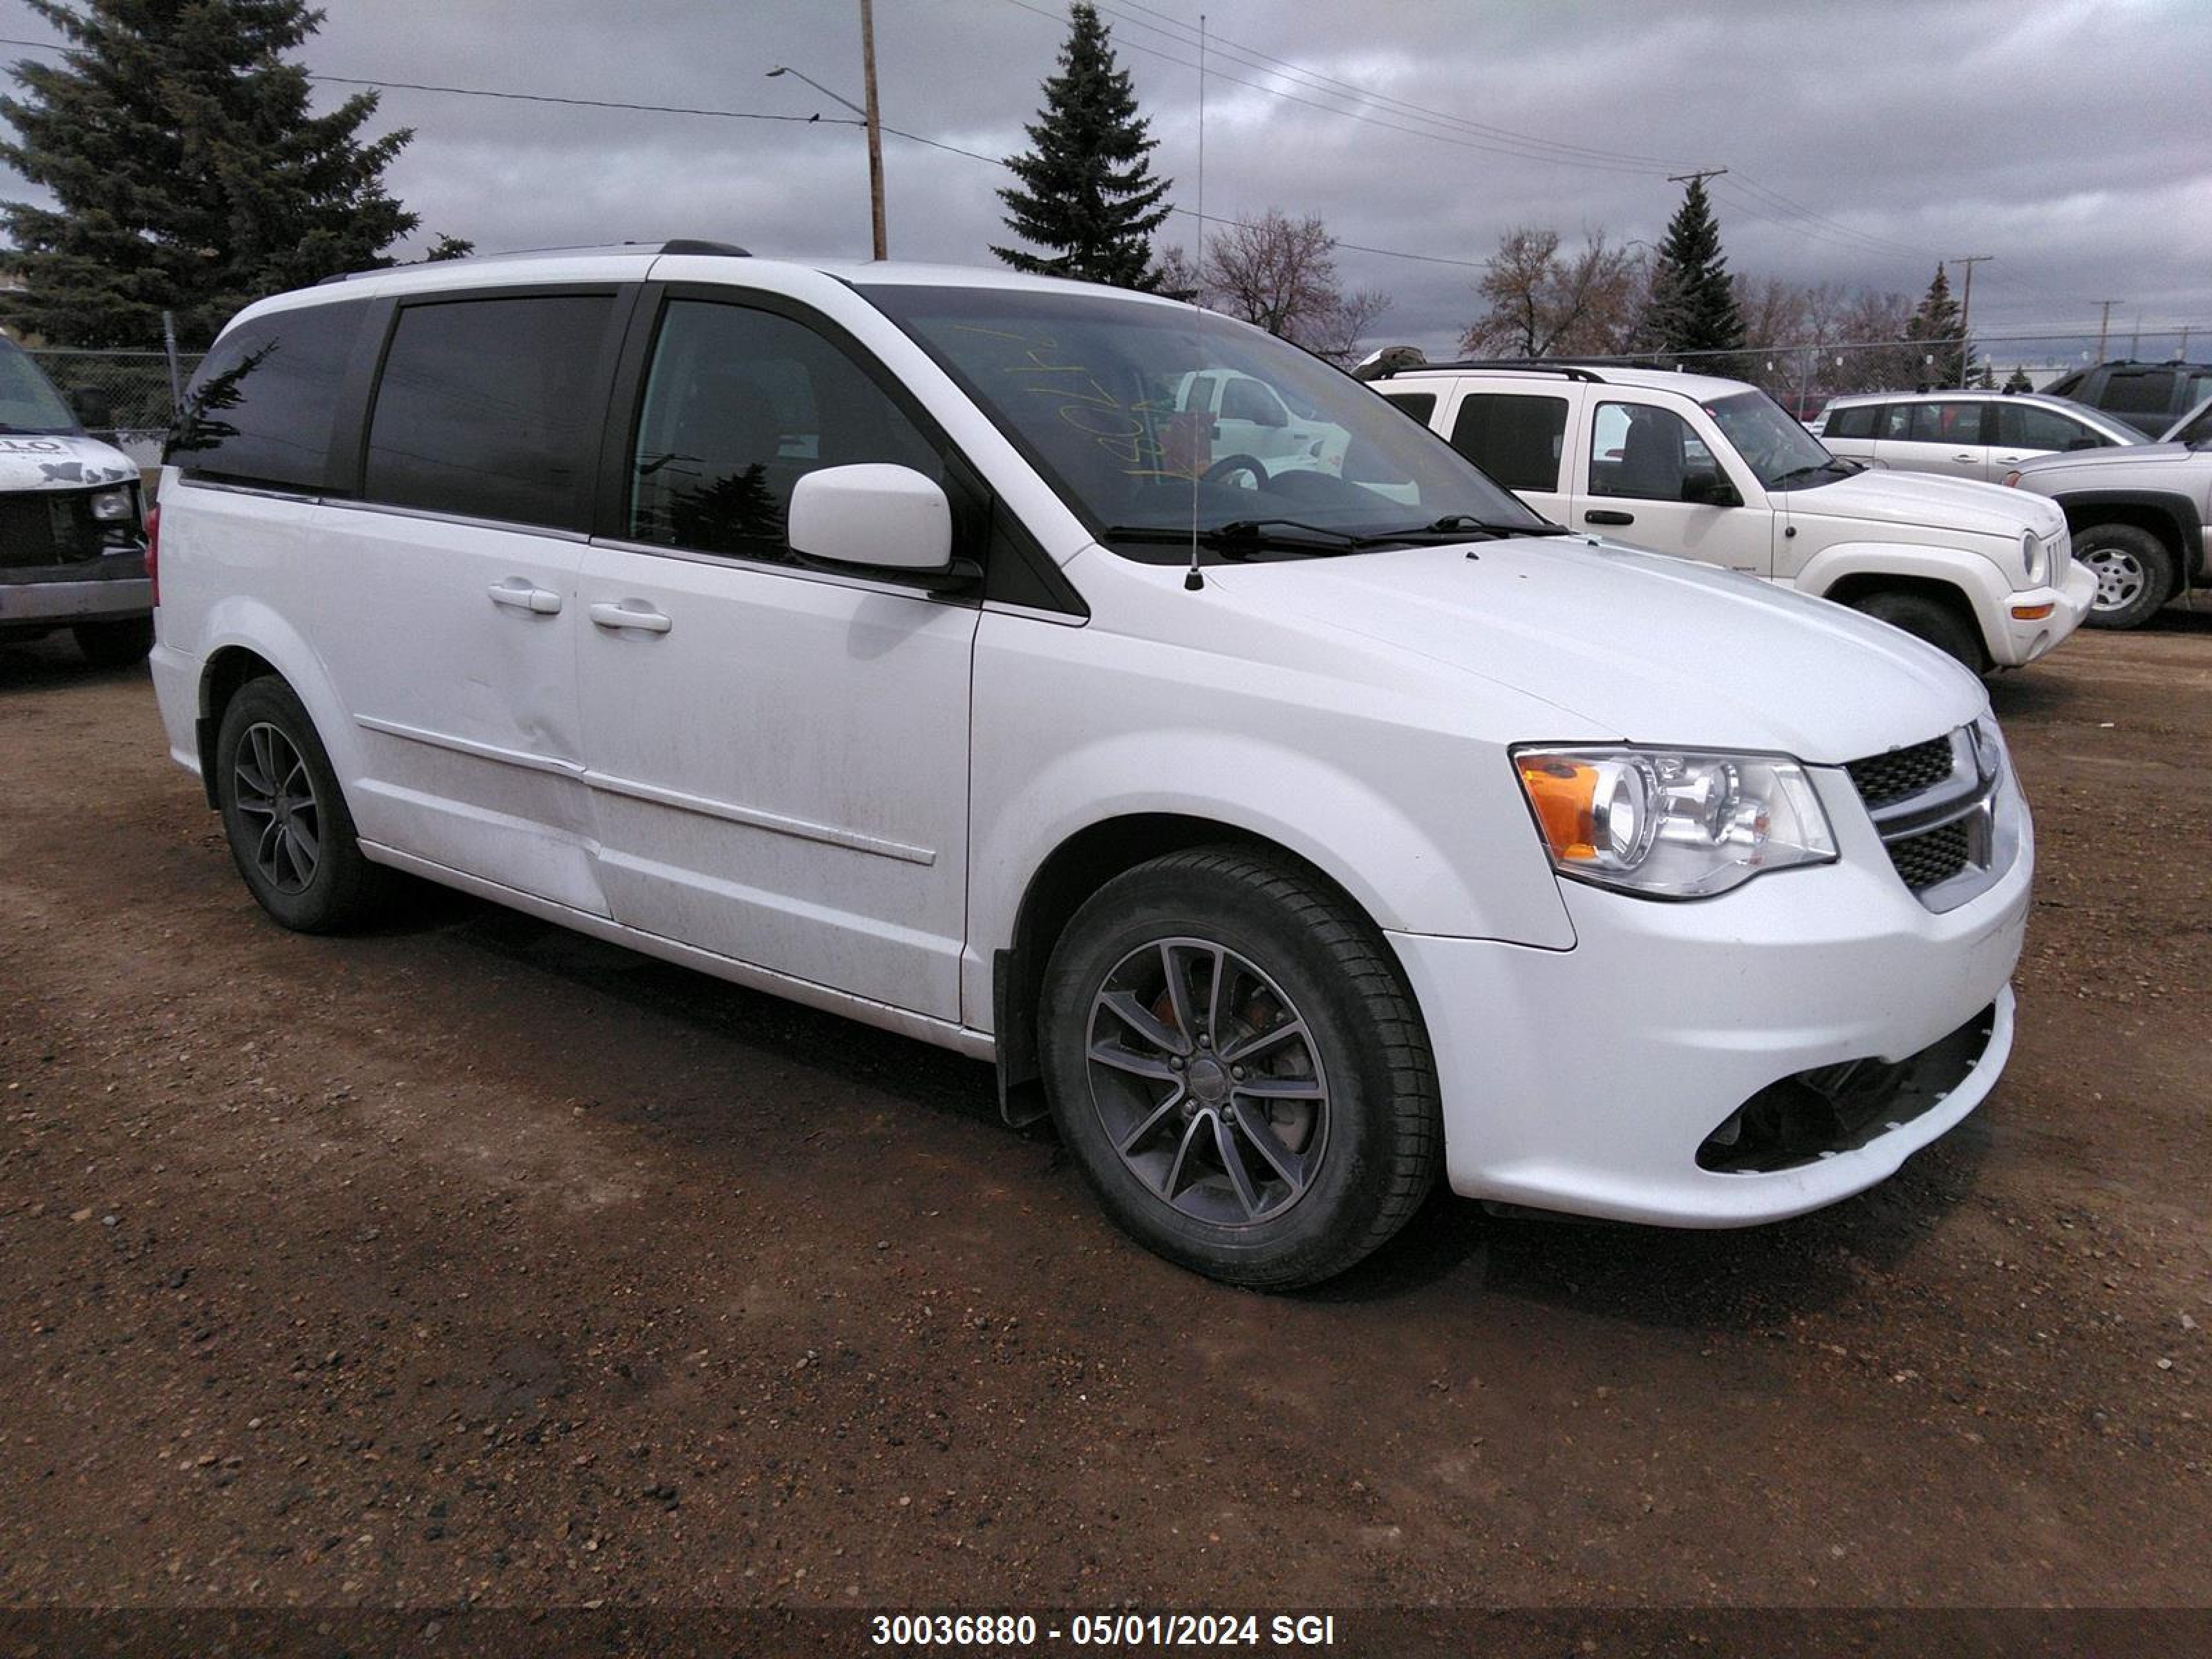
{"points": [[2056, 137]]}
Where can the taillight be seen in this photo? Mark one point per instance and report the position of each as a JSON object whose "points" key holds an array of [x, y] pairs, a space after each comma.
{"points": [[154, 549]]}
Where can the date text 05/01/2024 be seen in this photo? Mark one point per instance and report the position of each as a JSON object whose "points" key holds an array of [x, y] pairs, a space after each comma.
{"points": [[1109, 1629]]}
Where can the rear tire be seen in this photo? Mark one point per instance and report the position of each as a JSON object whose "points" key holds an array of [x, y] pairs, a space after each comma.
{"points": [[115, 644], [290, 834], [1274, 1121], [1929, 619], [2134, 573]]}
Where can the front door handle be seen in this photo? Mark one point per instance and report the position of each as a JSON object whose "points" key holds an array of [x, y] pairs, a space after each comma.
{"points": [[519, 594], [631, 613], [1602, 515], [1968, 456]]}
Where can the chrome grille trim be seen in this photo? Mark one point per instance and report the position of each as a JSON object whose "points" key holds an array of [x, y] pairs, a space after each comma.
{"points": [[1963, 805]]}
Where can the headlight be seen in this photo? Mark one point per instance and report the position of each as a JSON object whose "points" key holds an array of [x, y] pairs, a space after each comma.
{"points": [[2034, 559], [114, 506], [1673, 824]]}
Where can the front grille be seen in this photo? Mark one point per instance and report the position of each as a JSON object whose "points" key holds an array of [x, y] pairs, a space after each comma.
{"points": [[1882, 779], [49, 527], [1936, 855]]}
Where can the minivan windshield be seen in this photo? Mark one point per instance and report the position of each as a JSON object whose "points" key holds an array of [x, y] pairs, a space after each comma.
{"points": [[1144, 416], [1780, 452], [29, 402]]}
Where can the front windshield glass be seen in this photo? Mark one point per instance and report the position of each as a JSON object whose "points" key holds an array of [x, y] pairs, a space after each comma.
{"points": [[1134, 411], [1778, 450], [29, 402]]}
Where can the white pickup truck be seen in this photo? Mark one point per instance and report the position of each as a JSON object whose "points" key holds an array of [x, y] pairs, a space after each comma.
{"points": [[1715, 470]]}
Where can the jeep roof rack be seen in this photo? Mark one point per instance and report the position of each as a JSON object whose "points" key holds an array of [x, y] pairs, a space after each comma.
{"points": [[1505, 365], [674, 245]]}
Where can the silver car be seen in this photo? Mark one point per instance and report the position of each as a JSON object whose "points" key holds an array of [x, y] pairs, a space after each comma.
{"points": [[1964, 435]]}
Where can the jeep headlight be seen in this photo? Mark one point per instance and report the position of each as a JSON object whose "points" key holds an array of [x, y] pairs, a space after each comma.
{"points": [[2034, 559], [1673, 823]]}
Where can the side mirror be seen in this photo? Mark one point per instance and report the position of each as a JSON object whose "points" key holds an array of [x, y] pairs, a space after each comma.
{"points": [[1710, 489], [873, 517], [2085, 443], [93, 408]]}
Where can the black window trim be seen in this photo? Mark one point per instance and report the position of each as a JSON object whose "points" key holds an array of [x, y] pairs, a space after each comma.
{"points": [[365, 382], [977, 510]]}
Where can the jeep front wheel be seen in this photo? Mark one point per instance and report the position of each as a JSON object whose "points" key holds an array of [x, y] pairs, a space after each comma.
{"points": [[2134, 573]]}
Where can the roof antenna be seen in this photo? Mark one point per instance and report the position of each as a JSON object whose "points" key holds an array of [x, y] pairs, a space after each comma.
{"points": [[1192, 579]]}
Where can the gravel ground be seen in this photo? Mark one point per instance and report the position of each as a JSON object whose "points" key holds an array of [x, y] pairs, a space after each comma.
{"points": [[470, 1261]]}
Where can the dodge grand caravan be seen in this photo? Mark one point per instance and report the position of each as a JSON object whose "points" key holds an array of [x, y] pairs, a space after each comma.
{"points": [[887, 638]]}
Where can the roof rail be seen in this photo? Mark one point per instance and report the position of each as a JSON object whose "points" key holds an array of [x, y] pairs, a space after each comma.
{"points": [[675, 244], [1509, 365]]}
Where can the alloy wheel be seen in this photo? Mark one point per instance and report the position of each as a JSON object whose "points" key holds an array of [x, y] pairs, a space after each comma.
{"points": [[275, 795], [2120, 577], [1208, 1082]]}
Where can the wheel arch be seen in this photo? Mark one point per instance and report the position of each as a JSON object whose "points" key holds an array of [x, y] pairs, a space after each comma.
{"points": [[1860, 585], [1077, 867], [2170, 519], [226, 673]]}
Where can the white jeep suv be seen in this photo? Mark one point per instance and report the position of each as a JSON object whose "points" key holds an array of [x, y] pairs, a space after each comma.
{"points": [[1715, 470], [887, 638]]}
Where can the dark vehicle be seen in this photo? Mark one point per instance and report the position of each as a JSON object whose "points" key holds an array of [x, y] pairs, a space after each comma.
{"points": [[2149, 397]]}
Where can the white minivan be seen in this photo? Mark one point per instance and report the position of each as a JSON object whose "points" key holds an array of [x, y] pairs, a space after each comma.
{"points": [[886, 637]]}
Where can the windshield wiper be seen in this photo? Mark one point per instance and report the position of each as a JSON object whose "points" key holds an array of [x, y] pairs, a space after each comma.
{"points": [[1241, 536], [1832, 465], [1460, 523]]}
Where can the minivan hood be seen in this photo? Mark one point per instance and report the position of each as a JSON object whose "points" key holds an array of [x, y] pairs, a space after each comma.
{"points": [[1653, 649], [37, 461], [1926, 500]]}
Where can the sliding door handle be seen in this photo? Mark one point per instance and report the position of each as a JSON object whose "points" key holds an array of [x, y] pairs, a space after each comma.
{"points": [[519, 594], [631, 613], [1605, 515]]}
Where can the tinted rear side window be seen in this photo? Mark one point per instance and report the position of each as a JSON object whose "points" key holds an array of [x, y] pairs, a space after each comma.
{"points": [[1852, 421], [260, 410], [1419, 404], [1515, 439], [487, 408], [2150, 393]]}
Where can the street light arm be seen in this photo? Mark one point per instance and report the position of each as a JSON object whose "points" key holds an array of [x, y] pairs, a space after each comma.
{"points": [[786, 69]]}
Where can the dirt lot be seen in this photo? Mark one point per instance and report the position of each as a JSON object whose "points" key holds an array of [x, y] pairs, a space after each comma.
{"points": [[472, 1261]]}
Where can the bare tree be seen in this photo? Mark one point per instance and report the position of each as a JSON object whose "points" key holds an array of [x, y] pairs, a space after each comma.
{"points": [[1542, 304], [1280, 274]]}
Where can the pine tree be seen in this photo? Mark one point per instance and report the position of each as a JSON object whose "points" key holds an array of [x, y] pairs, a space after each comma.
{"points": [[187, 172], [1987, 379], [2018, 380], [1935, 329], [1086, 192], [1693, 305]]}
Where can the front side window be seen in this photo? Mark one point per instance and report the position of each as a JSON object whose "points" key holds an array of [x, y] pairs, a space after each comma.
{"points": [[1091, 389], [1515, 439], [739, 405], [262, 405], [2027, 426], [1649, 454], [484, 409]]}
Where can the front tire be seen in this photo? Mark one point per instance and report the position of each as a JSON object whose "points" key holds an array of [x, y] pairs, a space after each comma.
{"points": [[2134, 573], [115, 644], [290, 834], [1238, 1070], [1931, 620]]}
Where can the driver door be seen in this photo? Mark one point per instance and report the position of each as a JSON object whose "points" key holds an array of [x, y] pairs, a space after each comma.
{"points": [[1646, 479]]}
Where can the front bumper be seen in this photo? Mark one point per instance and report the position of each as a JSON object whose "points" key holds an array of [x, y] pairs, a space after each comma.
{"points": [[73, 593], [2018, 639], [1587, 1080]]}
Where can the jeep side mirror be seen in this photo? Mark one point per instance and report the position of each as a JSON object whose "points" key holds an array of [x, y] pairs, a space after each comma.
{"points": [[1710, 489], [93, 408]]}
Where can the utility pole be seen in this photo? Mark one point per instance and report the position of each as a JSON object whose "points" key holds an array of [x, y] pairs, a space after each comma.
{"points": [[1685, 178], [1966, 313], [875, 128], [2104, 324]]}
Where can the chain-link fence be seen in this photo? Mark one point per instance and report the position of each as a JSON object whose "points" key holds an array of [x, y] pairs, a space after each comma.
{"points": [[131, 395]]}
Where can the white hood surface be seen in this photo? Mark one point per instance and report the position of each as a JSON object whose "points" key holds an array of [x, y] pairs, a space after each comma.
{"points": [[1649, 648], [33, 462], [1930, 501]]}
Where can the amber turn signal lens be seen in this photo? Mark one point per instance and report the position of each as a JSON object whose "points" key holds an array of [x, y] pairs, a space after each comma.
{"points": [[2031, 612], [1565, 794]]}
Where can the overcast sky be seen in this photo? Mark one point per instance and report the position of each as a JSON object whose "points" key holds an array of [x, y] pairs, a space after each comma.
{"points": [[1864, 140]]}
